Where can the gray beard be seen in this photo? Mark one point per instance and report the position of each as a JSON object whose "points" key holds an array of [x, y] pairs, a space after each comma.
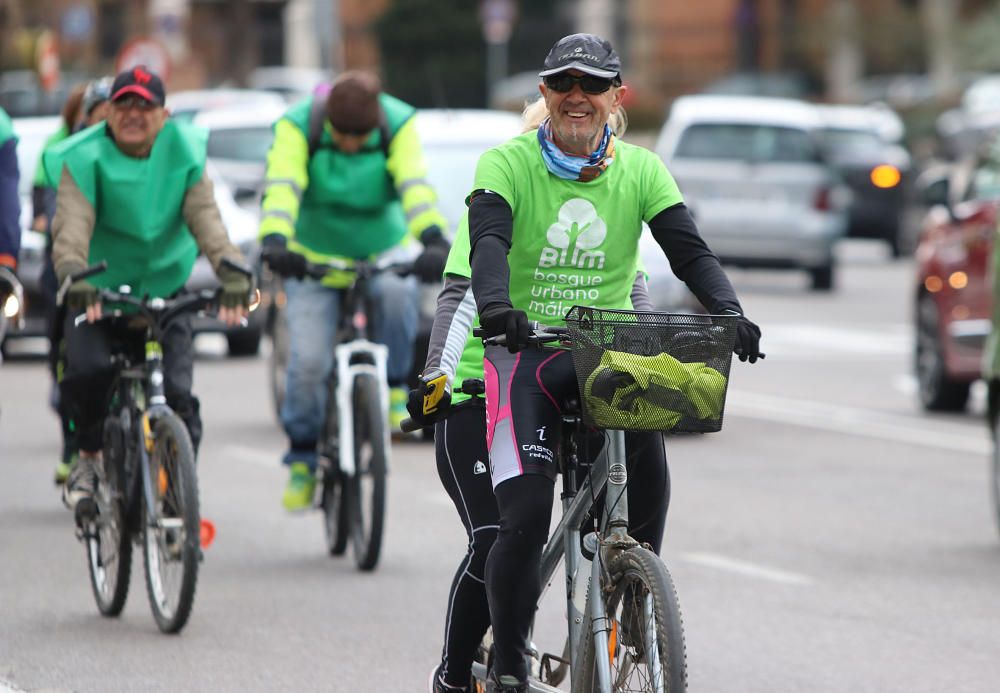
{"points": [[574, 136]]}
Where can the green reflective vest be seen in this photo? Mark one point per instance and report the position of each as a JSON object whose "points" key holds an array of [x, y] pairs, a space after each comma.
{"points": [[138, 203], [351, 207]]}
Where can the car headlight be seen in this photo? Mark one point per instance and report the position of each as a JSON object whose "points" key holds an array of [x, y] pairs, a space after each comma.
{"points": [[11, 307], [885, 176]]}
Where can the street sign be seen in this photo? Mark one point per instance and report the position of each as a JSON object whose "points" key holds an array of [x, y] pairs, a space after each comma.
{"points": [[144, 51], [497, 17]]}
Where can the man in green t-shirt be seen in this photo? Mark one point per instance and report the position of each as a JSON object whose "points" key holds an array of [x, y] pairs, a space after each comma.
{"points": [[10, 203], [132, 192], [555, 217]]}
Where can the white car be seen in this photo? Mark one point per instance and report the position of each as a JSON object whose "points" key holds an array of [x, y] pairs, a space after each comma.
{"points": [[238, 142], [185, 105], [751, 171]]}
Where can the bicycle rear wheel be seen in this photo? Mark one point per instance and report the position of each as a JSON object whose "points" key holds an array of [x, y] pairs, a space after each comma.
{"points": [[646, 643], [109, 549], [366, 489], [171, 529]]}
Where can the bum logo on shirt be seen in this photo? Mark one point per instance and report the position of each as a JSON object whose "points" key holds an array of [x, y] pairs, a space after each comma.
{"points": [[569, 268]]}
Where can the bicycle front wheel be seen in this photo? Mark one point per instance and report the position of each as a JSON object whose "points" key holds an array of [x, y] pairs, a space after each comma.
{"points": [[171, 529], [365, 490], [646, 641]]}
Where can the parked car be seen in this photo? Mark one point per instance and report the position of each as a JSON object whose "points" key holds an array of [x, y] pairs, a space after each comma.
{"points": [[953, 293], [875, 170], [752, 172], [185, 105], [242, 227], [238, 142], [292, 83]]}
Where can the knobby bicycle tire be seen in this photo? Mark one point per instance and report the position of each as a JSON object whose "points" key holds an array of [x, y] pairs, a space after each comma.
{"points": [[635, 574], [178, 547], [366, 489], [109, 545]]}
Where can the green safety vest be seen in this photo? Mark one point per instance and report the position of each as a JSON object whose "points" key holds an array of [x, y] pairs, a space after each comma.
{"points": [[351, 207], [138, 203]]}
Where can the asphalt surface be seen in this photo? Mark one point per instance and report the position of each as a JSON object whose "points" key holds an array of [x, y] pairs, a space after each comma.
{"points": [[832, 537]]}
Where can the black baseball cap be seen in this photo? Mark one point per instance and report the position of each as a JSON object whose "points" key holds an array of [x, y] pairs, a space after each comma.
{"points": [[140, 81], [584, 52]]}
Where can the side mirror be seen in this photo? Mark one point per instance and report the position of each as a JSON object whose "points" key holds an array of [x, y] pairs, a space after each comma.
{"points": [[935, 192], [242, 194]]}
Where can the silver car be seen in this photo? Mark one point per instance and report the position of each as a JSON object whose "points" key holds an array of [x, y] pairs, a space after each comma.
{"points": [[753, 176]]}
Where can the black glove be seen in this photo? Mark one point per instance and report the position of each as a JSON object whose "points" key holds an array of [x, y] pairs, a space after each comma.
{"points": [[81, 296], [235, 288], [430, 401], [429, 265], [276, 255], [747, 339], [500, 319]]}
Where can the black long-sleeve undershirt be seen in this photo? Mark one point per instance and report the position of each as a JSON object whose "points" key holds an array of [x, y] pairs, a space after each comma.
{"points": [[491, 229]]}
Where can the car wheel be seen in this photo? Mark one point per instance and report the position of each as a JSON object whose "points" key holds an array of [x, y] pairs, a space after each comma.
{"points": [[245, 342], [822, 277], [938, 392]]}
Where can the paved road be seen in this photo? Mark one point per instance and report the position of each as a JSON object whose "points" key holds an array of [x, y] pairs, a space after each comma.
{"points": [[831, 538]]}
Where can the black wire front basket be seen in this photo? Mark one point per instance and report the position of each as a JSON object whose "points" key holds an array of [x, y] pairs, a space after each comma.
{"points": [[652, 371]]}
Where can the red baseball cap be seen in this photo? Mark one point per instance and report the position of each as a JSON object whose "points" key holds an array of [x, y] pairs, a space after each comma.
{"points": [[139, 81]]}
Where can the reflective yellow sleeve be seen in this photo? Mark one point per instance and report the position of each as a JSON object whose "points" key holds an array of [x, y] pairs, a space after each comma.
{"points": [[286, 179], [408, 168]]}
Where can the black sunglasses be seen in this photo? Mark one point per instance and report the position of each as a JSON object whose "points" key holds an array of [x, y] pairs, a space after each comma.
{"points": [[563, 82], [136, 102]]}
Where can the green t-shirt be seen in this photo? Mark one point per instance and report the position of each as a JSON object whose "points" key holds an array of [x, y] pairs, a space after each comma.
{"points": [[574, 243], [596, 273]]}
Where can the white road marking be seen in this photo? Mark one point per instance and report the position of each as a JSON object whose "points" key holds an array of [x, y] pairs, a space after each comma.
{"points": [[754, 570], [855, 421], [811, 340], [245, 453]]}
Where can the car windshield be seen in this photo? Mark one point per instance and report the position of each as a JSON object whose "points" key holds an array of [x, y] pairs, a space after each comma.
{"points": [[843, 140], [451, 169], [240, 144], [749, 142]]}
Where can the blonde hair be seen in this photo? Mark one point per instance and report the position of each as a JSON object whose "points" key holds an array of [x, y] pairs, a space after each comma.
{"points": [[536, 111]]}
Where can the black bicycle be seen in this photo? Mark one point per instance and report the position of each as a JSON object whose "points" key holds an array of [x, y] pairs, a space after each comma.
{"points": [[354, 442], [147, 485]]}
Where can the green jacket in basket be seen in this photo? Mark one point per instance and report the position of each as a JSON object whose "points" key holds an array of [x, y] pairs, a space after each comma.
{"points": [[652, 392]]}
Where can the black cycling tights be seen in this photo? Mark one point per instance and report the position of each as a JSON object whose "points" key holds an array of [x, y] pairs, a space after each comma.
{"points": [[463, 466]]}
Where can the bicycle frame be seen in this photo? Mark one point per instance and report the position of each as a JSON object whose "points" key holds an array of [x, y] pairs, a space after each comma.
{"points": [[353, 358], [606, 470]]}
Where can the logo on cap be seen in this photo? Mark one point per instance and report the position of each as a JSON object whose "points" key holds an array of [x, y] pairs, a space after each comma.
{"points": [[141, 76]]}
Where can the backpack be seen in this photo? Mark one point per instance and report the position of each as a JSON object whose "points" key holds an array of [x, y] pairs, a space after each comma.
{"points": [[317, 115]]}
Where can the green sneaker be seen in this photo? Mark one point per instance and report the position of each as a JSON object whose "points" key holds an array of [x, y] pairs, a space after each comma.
{"points": [[301, 488], [397, 409], [63, 469]]}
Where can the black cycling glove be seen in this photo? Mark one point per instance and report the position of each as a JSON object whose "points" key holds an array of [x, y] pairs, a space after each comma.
{"points": [[429, 265], [500, 319], [430, 401], [747, 339], [282, 261]]}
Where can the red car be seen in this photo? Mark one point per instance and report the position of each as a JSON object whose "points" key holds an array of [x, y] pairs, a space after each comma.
{"points": [[954, 292]]}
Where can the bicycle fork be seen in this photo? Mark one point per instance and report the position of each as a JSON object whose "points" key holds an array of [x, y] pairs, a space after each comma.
{"points": [[348, 369]]}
